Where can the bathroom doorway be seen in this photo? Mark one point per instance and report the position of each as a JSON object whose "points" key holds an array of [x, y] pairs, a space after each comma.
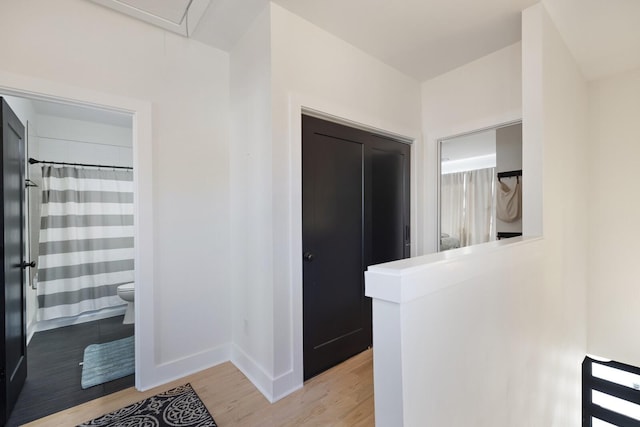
{"points": [[73, 310]]}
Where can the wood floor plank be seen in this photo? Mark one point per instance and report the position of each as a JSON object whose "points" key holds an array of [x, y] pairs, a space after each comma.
{"points": [[341, 396]]}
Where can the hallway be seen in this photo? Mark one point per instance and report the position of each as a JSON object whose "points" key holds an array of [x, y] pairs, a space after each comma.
{"points": [[341, 396]]}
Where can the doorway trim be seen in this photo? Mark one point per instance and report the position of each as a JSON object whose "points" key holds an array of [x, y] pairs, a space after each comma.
{"points": [[298, 105], [28, 87]]}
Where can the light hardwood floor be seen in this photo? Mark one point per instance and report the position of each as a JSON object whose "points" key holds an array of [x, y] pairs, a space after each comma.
{"points": [[341, 396]]}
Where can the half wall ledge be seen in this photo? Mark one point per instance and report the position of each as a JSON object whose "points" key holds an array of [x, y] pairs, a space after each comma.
{"points": [[412, 278], [427, 311]]}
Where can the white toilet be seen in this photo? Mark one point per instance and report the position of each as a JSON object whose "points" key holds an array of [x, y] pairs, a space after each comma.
{"points": [[126, 292]]}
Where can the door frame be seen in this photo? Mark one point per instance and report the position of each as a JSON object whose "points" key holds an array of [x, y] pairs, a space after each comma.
{"points": [[330, 111], [27, 87]]}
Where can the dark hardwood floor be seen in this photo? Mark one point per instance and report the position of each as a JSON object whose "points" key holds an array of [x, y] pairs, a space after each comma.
{"points": [[54, 371]]}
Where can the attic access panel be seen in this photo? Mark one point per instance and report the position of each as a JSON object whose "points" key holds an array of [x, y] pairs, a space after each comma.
{"points": [[178, 16], [171, 10]]}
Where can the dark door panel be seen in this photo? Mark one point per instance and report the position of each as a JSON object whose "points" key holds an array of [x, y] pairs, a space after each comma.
{"points": [[333, 205], [354, 192], [388, 219], [13, 371]]}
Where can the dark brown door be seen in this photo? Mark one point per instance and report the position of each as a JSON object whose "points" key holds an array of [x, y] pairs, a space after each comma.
{"points": [[13, 370], [355, 213]]}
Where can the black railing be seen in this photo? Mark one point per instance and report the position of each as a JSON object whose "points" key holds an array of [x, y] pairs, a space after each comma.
{"points": [[590, 384]]}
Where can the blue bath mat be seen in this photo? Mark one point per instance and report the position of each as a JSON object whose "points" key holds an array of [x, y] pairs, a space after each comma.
{"points": [[108, 362]]}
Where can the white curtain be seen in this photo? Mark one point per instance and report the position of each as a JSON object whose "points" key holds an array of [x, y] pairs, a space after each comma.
{"points": [[452, 205], [468, 207]]}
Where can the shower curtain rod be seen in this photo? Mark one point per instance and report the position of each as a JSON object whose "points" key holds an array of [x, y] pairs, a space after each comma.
{"points": [[33, 161]]}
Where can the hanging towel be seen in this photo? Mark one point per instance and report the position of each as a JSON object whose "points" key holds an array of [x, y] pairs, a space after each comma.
{"points": [[509, 203]]}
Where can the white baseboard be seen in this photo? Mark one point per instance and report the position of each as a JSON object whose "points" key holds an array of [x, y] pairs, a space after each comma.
{"points": [[272, 388], [176, 369], [31, 329], [45, 325], [286, 384], [253, 371]]}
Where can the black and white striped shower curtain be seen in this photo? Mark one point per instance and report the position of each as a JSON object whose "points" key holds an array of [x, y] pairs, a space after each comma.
{"points": [[86, 240]]}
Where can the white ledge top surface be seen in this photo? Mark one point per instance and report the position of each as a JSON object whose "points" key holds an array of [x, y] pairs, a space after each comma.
{"points": [[408, 279]]}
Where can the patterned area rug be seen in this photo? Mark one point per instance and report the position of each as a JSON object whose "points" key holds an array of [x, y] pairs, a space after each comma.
{"points": [[180, 406]]}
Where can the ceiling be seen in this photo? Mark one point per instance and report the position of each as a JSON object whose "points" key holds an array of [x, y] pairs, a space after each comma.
{"points": [[477, 144], [423, 38], [225, 21], [603, 35], [418, 37], [178, 16]]}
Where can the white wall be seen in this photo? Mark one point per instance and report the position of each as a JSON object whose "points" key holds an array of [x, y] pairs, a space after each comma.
{"points": [[481, 94], [82, 45], [281, 65], [509, 158], [251, 204], [23, 108], [494, 334], [614, 209], [459, 340], [314, 69], [80, 141], [555, 122], [509, 148]]}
